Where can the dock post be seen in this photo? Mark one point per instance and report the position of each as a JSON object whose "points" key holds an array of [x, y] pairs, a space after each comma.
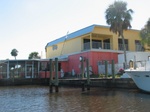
{"points": [[45, 74], [88, 75], [113, 70], [50, 77], [106, 68], [56, 75], [83, 86], [82, 67], [13, 77]]}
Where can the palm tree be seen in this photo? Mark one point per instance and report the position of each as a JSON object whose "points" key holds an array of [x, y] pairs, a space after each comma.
{"points": [[118, 17], [145, 34], [14, 53], [34, 55]]}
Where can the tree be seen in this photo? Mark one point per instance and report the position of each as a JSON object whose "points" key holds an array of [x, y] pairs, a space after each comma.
{"points": [[14, 53], [145, 34], [34, 55], [118, 17]]}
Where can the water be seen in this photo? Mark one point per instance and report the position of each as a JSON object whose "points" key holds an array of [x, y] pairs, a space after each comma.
{"points": [[38, 99]]}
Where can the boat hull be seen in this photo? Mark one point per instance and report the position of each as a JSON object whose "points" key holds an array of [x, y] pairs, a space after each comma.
{"points": [[141, 79]]}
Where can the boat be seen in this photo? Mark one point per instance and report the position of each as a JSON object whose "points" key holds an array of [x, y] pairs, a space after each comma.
{"points": [[140, 73], [125, 75]]}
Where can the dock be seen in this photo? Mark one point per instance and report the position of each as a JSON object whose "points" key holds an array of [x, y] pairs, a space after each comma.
{"points": [[125, 83]]}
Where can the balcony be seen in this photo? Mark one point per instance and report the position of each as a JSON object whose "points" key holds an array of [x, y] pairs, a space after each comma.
{"points": [[139, 48], [97, 45], [108, 46], [120, 47]]}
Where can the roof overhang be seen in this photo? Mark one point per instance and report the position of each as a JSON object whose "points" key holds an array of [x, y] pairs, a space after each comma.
{"points": [[60, 58]]}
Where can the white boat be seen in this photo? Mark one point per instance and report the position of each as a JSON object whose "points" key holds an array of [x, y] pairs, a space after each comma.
{"points": [[140, 75], [125, 75]]}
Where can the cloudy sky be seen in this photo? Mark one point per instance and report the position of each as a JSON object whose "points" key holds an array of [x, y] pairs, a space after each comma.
{"points": [[28, 25]]}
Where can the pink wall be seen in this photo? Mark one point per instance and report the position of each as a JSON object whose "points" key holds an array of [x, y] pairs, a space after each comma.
{"points": [[74, 63], [94, 57], [64, 66], [46, 74], [101, 56]]}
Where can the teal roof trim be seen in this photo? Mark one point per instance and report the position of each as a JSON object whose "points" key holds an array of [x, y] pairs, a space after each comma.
{"points": [[72, 35]]}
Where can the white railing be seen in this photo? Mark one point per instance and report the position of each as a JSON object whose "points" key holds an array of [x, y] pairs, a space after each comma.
{"points": [[120, 47], [96, 45], [138, 48]]}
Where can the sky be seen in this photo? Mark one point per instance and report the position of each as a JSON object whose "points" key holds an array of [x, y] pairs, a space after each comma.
{"points": [[28, 25]]}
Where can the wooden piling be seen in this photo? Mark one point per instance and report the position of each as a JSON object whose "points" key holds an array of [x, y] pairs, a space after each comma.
{"points": [[83, 86], [88, 75], [82, 67], [113, 70], [106, 69], [50, 77], [51, 88], [13, 76], [56, 75], [45, 73]]}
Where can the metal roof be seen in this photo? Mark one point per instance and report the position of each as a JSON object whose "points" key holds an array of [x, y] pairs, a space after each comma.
{"points": [[72, 35], [76, 34]]}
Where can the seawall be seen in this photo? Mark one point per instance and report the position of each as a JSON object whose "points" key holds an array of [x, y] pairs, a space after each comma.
{"points": [[126, 83]]}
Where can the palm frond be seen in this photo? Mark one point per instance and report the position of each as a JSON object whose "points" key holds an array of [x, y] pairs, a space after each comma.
{"points": [[118, 17]]}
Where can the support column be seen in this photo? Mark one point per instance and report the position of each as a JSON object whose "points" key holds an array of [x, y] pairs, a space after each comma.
{"points": [[33, 69], [88, 75], [90, 40], [50, 77], [38, 69], [25, 69], [8, 75], [106, 68], [102, 44], [56, 75], [113, 70], [82, 67]]}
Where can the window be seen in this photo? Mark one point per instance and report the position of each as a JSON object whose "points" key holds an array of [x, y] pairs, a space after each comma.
{"points": [[96, 44], [54, 47], [138, 45], [120, 44]]}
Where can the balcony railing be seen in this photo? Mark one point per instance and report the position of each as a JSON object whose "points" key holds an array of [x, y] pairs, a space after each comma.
{"points": [[138, 48], [97, 45], [104, 45], [120, 47], [86, 46]]}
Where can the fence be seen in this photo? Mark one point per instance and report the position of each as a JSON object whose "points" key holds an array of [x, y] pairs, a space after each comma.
{"points": [[101, 68]]}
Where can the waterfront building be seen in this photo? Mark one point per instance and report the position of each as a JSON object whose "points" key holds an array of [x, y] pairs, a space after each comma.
{"points": [[95, 43], [24, 68], [19, 68]]}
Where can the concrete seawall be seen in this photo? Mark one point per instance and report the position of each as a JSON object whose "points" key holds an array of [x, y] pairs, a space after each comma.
{"points": [[126, 83], [117, 83]]}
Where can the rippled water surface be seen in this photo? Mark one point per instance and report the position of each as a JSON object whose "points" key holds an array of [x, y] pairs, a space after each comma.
{"points": [[38, 99]]}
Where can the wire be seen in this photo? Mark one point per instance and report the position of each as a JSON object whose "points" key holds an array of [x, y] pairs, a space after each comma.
{"points": [[64, 43]]}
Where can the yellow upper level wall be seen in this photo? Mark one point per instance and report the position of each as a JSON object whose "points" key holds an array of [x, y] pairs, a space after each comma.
{"points": [[75, 44], [72, 45], [130, 35], [69, 46], [52, 53], [102, 30]]}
